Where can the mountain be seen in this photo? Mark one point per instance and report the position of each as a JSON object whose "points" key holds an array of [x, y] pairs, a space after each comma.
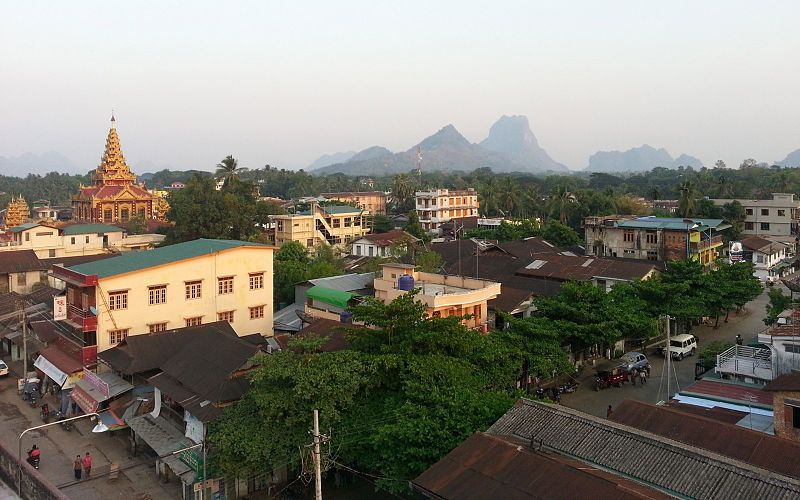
{"points": [[791, 160], [512, 136], [448, 150], [639, 159], [41, 164], [331, 159]]}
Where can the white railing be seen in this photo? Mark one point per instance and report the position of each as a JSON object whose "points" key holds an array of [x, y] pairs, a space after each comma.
{"points": [[753, 356]]}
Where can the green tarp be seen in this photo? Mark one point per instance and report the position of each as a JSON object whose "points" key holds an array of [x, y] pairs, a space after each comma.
{"points": [[336, 298]]}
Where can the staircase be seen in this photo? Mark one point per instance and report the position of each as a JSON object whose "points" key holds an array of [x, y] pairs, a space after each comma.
{"points": [[322, 227]]}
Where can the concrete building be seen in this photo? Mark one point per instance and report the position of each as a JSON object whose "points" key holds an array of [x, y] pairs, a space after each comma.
{"points": [[768, 257], [441, 205], [20, 271], [785, 391], [390, 244], [443, 295], [51, 241], [776, 217], [654, 238], [372, 201], [322, 225], [783, 340], [187, 284]]}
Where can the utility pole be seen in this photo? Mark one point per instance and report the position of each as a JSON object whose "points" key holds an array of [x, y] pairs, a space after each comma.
{"points": [[669, 359], [317, 459], [24, 342]]}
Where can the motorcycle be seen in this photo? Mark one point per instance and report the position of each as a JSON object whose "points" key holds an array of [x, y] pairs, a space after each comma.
{"points": [[569, 387], [45, 413], [33, 400], [65, 424], [540, 393], [33, 459]]}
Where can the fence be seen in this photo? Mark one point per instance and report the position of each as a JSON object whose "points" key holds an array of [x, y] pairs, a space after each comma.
{"points": [[34, 485]]}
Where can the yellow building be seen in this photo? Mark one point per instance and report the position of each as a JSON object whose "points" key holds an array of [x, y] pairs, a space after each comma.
{"points": [[373, 201], [443, 295], [187, 284], [115, 195], [328, 225]]}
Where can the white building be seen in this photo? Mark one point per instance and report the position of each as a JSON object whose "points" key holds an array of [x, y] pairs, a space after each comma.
{"points": [[776, 217], [767, 256], [442, 205], [390, 244]]}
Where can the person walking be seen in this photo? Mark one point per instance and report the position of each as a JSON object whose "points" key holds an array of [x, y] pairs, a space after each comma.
{"points": [[77, 464], [633, 376], [87, 464], [643, 377], [609, 412], [739, 340]]}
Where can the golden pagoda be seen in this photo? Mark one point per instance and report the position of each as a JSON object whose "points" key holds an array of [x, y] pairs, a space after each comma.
{"points": [[115, 195], [17, 212]]}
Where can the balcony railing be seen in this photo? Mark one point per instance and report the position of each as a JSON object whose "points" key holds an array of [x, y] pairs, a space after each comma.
{"points": [[705, 244], [84, 319]]}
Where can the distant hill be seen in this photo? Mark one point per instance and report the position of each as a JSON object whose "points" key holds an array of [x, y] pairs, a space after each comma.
{"points": [[639, 159], [512, 136], [448, 150], [41, 164], [164, 178], [791, 160], [331, 159]]}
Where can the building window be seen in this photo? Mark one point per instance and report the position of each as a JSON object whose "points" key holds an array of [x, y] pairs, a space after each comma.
{"points": [[652, 255], [141, 213], [117, 336], [356, 221], [795, 413], [225, 285], [310, 242], [255, 312], [358, 249], [87, 239], [627, 235], [781, 213], [792, 348], [72, 241], [371, 249], [347, 221], [124, 215], [256, 281], [51, 253], [225, 316], [197, 320], [765, 226], [194, 289], [27, 236], [651, 237], [117, 300], [22, 279], [748, 226], [748, 211], [628, 253], [765, 211], [157, 327], [158, 294], [337, 223]]}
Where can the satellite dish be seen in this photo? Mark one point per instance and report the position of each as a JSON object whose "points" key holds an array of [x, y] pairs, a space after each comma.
{"points": [[93, 310]]}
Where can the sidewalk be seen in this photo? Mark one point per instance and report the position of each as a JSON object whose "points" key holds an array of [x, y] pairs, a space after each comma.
{"points": [[136, 479]]}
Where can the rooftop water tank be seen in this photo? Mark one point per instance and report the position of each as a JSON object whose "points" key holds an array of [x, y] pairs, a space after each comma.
{"points": [[405, 282]]}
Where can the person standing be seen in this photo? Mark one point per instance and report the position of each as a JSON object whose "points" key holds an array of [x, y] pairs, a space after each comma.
{"points": [[643, 377], [77, 464], [739, 340], [633, 376], [87, 464], [609, 412]]}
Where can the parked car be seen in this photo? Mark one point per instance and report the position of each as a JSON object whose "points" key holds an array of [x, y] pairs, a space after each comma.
{"points": [[682, 345], [633, 360], [3, 368]]}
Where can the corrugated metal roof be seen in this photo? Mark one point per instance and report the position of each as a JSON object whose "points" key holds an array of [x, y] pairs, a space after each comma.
{"points": [[678, 468], [337, 298], [134, 261], [346, 282], [74, 229], [23, 227]]}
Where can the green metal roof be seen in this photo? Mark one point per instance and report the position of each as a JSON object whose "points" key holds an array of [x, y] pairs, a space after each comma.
{"points": [[330, 296], [90, 229], [134, 261], [674, 223], [23, 227], [340, 209]]}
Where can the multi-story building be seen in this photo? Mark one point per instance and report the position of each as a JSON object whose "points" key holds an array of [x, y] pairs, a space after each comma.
{"points": [[441, 205], [443, 295], [179, 285], [373, 201], [322, 225], [390, 244], [769, 258], [51, 241], [779, 216], [654, 238]]}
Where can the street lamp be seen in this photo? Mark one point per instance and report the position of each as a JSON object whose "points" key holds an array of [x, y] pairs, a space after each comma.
{"points": [[100, 427]]}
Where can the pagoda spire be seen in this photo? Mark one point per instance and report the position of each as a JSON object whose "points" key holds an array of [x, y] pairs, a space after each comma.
{"points": [[113, 170]]}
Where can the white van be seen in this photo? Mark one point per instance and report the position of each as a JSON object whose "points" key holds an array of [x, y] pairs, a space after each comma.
{"points": [[682, 345]]}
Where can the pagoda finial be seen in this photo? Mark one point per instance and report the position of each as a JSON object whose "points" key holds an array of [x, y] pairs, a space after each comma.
{"points": [[113, 120]]}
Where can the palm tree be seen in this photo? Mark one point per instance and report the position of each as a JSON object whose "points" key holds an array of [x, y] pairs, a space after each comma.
{"points": [[229, 169], [688, 199], [510, 196], [402, 191], [655, 194], [559, 200], [725, 189], [488, 197]]}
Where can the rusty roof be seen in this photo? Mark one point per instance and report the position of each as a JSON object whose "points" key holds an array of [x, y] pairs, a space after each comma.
{"points": [[785, 382], [390, 238], [20, 261], [724, 391], [320, 328], [488, 466], [753, 447]]}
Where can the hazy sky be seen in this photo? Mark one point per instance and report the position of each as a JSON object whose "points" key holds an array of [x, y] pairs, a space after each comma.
{"points": [[284, 82]]}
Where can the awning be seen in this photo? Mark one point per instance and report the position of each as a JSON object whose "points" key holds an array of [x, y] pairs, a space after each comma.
{"points": [[89, 396], [50, 370], [330, 296], [87, 403], [112, 420]]}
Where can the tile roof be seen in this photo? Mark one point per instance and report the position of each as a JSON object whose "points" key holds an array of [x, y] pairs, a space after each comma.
{"points": [[134, 261], [490, 466], [19, 261], [785, 382], [753, 447], [723, 391], [758, 244], [74, 229], [585, 268], [321, 327], [389, 238], [676, 468]]}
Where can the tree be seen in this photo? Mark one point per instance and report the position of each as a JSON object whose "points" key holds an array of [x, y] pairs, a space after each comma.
{"points": [[136, 225], [229, 169], [560, 235], [736, 214], [428, 261], [748, 163], [778, 302], [720, 164], [414, 227], [381, 224], [687, 200], [402, 192], [197, 211]]}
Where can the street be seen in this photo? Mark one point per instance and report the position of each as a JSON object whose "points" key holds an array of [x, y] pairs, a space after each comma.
{"points": [[136, 480], [746, 323]]}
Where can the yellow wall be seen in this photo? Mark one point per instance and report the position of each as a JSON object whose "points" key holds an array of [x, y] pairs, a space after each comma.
{"points": [[237, 262]]}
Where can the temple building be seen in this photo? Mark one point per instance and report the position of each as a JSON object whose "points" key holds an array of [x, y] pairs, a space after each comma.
{"points": [[17, 212], [115, 195]]}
